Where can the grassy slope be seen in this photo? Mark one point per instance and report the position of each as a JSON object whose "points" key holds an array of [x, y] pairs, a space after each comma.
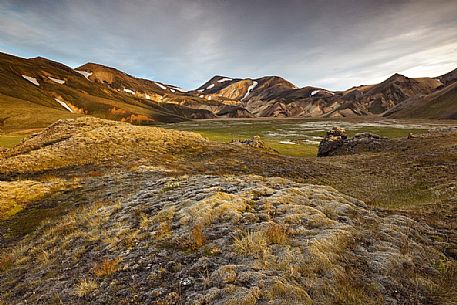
{"points": [[88, 97], [23, 114]]}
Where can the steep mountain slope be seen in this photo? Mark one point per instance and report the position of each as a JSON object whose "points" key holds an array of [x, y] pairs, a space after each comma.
{"points": [[448, 78], [441, 104], [243, 89], [121, 81], [51, 91], [276, 97], [379, 98]]}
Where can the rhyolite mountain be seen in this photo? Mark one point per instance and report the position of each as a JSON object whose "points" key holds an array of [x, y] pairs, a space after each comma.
{"points": [[441, 104], [36, 92], [276, 97]]}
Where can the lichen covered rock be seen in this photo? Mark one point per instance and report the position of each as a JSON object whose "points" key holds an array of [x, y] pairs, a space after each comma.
{"points": [[219, 240]]}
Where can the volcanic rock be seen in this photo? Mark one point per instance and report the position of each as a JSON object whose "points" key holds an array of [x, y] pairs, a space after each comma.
{"points": [[336, 142]]}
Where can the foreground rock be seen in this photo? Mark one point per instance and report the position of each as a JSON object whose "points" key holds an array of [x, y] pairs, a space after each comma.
{"points": [[336, 142]]}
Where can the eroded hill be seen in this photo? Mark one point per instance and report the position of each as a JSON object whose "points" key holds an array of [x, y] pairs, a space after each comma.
{"points": [[275, 97]]}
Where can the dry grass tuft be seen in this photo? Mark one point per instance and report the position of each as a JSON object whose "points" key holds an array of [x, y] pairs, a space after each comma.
{"points": [[163, 221], [276, 234], [444, 289], [256, 243], [218, 206], [197, 236], [163, 231], [252, 244], [106, 267], [84, 287], [287, 293], [242, 296], [6, 261]]}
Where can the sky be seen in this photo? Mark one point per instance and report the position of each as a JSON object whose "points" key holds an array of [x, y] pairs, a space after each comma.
{"points": [[332, 44]]}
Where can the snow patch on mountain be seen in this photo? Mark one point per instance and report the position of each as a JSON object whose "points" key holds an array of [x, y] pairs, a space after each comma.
{"points": [[56, 80], [33, 80], [161, 86], [84, 73], [201, 90], [129, 91], [210, 87], [172, 90], [63, 104], [225, 79], [317, 91], [251, 87]]}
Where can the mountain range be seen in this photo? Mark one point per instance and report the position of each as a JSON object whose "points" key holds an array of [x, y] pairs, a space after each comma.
{"points": [[35, 92]]}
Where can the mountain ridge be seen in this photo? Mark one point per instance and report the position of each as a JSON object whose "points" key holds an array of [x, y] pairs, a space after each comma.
{"points": [[51, 90]]}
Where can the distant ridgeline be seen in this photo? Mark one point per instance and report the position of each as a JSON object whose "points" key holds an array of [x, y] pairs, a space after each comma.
{"points": [[35, 92]]}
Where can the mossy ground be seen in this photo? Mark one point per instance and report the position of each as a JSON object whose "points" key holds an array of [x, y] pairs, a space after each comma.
{"points": [[147, 194]]}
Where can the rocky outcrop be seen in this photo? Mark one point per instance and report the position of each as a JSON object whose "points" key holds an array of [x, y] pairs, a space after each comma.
{"points": [[336, 142], [255, 142], [218, 240]]}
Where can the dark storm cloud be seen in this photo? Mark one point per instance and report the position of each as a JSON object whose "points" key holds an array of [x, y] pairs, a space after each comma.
{"points": [[334, 44]]}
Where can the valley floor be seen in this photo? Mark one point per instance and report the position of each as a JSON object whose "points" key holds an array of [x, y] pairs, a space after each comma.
{"points": [[95, 211]]}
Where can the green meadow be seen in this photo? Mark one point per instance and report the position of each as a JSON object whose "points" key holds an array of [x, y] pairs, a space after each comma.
{"points": [[295, 137]]}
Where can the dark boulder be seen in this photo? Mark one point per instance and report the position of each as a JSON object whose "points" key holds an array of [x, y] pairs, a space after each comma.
{"points": [[336, 142]]}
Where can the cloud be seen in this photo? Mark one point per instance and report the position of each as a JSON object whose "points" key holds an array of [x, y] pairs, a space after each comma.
{"points": [[334, 44]]}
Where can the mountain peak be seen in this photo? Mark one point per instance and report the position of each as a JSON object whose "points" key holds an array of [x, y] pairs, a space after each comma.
{"points": [[396, 77], [95, 66]]}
